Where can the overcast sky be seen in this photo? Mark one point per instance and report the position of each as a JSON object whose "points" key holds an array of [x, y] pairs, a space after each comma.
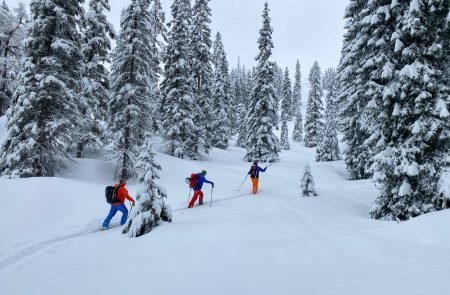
{"points": [[307, 30]]}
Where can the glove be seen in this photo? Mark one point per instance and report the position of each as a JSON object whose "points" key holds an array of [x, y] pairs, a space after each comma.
{"points": [[212, 183]]}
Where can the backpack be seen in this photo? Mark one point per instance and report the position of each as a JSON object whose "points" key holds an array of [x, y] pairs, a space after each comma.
{"points": [[193, 180], [254, 171], [111, 194]]}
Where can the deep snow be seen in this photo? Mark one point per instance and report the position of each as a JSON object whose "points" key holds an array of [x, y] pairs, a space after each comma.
{"points": [[274, 243]]}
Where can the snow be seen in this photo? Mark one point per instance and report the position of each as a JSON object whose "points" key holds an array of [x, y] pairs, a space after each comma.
{"points": [[274, 243], [2, 129]]}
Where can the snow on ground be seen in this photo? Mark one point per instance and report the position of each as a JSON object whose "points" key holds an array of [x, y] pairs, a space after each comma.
{"points": [[274, 243]]}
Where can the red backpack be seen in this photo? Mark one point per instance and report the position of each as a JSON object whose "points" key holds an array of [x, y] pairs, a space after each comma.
{"points": [[193, 180]]}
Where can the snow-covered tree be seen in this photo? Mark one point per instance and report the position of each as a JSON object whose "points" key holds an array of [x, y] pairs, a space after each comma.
{"points": [[284, 140], [286, 104], [159, 29], [201, 67], [44, 115], [328, 148], [353, 75], [297, 134], [95, 48], [12, 34], [414, 118], [243, 128], [314, 108], [278, 85], [133, 80], [151, 206], [328, 78], [221, 123], [297, 92], [181, 138], [307, 183], [262, 144]]}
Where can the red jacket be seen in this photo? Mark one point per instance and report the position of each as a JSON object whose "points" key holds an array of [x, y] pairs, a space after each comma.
{"points": [[122, 194]]}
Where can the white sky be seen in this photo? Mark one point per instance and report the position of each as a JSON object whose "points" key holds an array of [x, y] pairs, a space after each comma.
{"points": [[305, 29]]}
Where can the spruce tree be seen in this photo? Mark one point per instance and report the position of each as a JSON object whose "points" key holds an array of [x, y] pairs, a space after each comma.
{"points": [[328, 78], [414, 119], [297, 92], [307, 183], [314, 108], [221, 124], [159, 30], [45, 113], [243, 128], [297, 134], [352, 96], [286, 104], [284, 140], [95, 48], [262, 144], [151, 206], [12, 35], [278, 85], [201, 67], [181, 138], [328, 148], [132, 84]]}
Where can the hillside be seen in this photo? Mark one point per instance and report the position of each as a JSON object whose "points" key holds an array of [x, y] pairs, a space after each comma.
{"points": [[274, 243]]}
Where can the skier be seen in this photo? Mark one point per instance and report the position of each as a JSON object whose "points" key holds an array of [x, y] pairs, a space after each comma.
{"points": [[254, 176], [198, 189], [122, 194]]}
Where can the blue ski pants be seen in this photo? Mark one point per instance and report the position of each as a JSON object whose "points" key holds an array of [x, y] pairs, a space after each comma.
{"points": [[114, 208]]}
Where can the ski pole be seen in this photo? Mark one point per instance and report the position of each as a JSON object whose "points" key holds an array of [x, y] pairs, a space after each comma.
{"points": [[189, 196], [242, 182], [269, 165], [210, 203]]}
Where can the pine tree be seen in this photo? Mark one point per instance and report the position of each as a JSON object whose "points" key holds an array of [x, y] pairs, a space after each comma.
{"points": [[243, 128], [45, 111], [262, 145], [151, 207], [307, 183], [278, 85], [221, 125], [328, 78], [96, 89], [12, 34], [297, 134], [201, 65], [352, 97], [132, 84], [314, 109], [328, 148], [286, 104], [159, 30], [181, 138], [284, 140], [414, 119], [297, 93]]}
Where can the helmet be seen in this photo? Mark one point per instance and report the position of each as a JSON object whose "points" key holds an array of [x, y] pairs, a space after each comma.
{"points": [[204, 172]]}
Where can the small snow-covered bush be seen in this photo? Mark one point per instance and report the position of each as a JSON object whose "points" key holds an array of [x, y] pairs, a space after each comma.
{"points": [[307, 183], [151, 207]]}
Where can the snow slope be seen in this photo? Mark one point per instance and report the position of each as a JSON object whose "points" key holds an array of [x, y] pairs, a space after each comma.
{"points": [[274, 243]]}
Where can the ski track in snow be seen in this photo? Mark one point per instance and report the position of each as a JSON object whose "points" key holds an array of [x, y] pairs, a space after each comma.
{"points": [[43, 245]]}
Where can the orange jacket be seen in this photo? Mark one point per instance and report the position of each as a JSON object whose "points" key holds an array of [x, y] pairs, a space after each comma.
{"points": [[122, 194]]}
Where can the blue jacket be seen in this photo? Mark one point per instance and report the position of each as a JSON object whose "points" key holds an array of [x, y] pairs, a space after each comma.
{"points": [[200, 181], [256, 173]]}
